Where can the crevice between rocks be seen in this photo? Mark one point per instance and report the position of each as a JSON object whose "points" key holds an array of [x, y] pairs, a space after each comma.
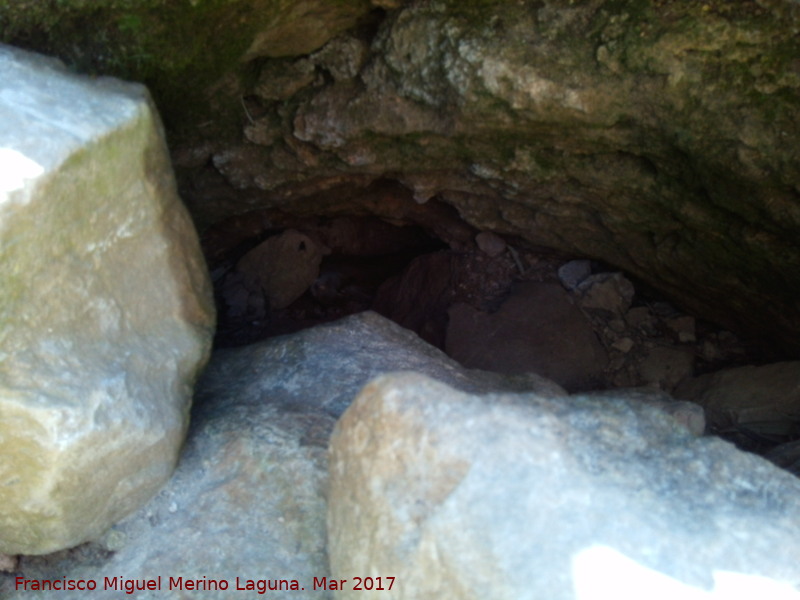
{"points": [[489, 299]]}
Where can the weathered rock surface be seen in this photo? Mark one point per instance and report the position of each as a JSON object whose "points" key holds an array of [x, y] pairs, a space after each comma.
{"points": [[610, 292], [667, 367], [105, 305], [190, 55], [762, 401], [342, 357], [515, 496], [401, 273], [690, 415], [652, 135], [248, 496], [247, 501]]}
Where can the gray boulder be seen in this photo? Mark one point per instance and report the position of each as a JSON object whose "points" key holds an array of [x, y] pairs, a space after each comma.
{"points": [[248, 498], [105, 305], [244, 510], [325, 367], [762, 400], [538, 328], [448, 495], [687, 414]]}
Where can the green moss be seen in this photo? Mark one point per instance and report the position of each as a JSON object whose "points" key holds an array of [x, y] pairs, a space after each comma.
{"points": [[178, 48]]}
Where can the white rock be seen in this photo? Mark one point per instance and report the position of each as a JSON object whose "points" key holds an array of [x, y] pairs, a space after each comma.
{"points": [[105, 305], [688, 415], [573, 272]]}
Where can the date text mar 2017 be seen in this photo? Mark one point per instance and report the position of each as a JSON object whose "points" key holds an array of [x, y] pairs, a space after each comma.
{"points": [[359, 583]]}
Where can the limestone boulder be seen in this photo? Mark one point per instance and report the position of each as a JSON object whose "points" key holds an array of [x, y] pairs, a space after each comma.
{"points": [[105, 305], [278, 271], [327, 366], [762, 401], [516, 496], [248, 498], [246, 501], [687, 414], [538, 328]]}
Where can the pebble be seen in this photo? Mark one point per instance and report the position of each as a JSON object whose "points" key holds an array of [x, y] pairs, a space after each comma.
{"points": [[490, 243], [623, 344], [8, 563], [574, 272], [684, 327], [611, 292]]}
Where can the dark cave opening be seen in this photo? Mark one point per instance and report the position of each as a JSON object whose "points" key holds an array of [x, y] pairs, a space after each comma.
{"points": [[323, 283], [490, 300], [376, 248]]}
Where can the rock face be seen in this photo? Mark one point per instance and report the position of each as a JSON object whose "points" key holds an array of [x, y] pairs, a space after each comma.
{"points": [[105, 305], [651, 136], [751, 401], [515, 496], [343, 356], [180, 49], [248, 498], [247, 501], [654, 136], [634, 146]]}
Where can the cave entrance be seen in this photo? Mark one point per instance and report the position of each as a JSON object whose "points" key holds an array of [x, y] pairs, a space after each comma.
{"points": [[490, 300], [276, 272]]}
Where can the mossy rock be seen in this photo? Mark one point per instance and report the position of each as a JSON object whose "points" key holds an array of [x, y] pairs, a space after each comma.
{"points": [[190, 53]]}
